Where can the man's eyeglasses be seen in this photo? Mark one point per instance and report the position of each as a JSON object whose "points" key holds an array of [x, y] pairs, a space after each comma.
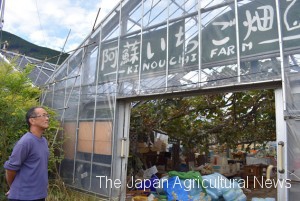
{"points": [[43, 115]]}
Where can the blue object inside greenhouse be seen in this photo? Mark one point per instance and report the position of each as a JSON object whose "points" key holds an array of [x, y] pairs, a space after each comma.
{"points": [[263, 199], [148, 183], [217, 187]]}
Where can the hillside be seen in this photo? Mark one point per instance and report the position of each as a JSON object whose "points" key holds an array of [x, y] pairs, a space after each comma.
{"points": [[21, 46]]}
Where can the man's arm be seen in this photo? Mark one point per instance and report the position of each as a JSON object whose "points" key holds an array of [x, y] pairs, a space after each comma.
{"points": [[10, 176]]}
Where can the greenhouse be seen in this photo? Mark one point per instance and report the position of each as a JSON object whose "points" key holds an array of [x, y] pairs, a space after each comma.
{"points": [[153, 49]]}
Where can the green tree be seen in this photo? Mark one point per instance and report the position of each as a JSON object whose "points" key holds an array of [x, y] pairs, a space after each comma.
{"points": [[231, 118], [17, 95]]}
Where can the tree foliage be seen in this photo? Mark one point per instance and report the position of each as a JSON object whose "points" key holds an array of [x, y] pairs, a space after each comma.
{"points": [[231, 118], [17, 95]]}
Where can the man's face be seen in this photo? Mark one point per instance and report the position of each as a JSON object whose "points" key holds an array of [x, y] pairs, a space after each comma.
{"points": [[41, 119]]}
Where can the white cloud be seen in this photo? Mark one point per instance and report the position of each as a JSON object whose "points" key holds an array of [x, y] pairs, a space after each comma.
{"points": [[47, 23]]}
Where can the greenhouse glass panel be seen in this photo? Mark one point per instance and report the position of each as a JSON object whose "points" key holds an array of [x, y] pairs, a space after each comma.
{"points": [[291, 26], [129, 62], [290, 32], [218, 38], [260, 69], [67, 165], [110, 27], [133, 20], [61, 73], [208, 4], [85, 143], [90, 60], [47, 97], [70, 120], [178, 9], [156, 55], [292, 116], [71, 104], [108, 61], [183, 55], [155, 12], [59, 100], [74, 69]]}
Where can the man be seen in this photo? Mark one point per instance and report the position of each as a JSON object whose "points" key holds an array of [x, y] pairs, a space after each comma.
{"points": [[27, 167]]}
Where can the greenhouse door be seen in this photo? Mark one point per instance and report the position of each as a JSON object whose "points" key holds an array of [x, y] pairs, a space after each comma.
{"points": [[120, 150], [281, 133]]}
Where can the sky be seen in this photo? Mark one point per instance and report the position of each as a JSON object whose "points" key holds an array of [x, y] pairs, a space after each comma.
{"points": [[47, 22]]}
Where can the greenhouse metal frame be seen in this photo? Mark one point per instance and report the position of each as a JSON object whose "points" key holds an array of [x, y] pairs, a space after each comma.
{"points": [[148, 49]]}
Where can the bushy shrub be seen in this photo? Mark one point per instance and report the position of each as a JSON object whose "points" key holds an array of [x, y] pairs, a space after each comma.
{"points": [[17, 95]]}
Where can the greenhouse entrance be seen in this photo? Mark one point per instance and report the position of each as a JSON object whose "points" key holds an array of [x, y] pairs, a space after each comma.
{"points": [[148, 50], [152, 156]]}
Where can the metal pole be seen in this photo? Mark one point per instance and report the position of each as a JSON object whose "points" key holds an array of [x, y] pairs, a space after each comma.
{"points": [[95, 20], [167, 46], [77, 118], [141, 47], [200, 44], [280, 40], [238, 54], [62, 49], [114, 106]]}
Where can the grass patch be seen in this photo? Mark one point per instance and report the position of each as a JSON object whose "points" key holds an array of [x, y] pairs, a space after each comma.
{"points": [[59, 191]]}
